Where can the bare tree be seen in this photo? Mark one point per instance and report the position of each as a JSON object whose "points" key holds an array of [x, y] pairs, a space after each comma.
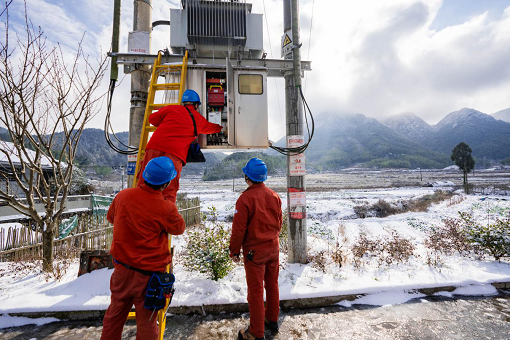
{"points": [[46, 100]]}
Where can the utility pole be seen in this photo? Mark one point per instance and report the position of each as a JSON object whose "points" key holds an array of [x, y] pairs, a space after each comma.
{"points": [[296, 199], [140, 76]]}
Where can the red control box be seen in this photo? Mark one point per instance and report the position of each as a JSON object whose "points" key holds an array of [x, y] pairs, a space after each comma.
{"points": [[216, 96]]}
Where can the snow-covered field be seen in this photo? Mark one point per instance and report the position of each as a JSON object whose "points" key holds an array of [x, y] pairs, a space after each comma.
{"points": [[330, 216]]}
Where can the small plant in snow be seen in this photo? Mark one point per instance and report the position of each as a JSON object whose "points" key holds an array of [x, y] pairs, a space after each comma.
{"points": [[493, 238], [319, 260], [207, 249], [364, 248]]}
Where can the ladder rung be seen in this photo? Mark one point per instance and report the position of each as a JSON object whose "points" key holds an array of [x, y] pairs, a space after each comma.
{"points": [[151, 128], [169, 66], [167, 86], [131, 316]]}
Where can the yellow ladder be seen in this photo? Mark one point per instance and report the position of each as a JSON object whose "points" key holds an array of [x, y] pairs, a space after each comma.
{"points": [[157, 70]]}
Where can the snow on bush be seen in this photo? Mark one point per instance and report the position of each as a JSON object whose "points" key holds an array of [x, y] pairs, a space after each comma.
{"points": [[493, 238], [207, 249]]}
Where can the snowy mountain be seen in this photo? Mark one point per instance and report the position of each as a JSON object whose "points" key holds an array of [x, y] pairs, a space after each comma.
{"points": [[487, 136], [410, 126], [503, 115], [346, 140]]}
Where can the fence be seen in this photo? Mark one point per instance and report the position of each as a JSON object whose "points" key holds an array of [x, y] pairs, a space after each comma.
{"points": [[92, 232]]}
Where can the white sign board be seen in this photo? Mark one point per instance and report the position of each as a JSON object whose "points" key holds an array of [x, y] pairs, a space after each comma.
{"points": [[287, 43], [139, 43], [132, 158], [297, 162]]}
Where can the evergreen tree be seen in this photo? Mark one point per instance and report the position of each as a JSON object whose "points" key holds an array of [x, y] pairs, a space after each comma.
{"points": [[461, 155]]}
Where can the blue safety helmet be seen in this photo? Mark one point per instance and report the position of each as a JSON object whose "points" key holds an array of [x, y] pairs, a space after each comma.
{"points": [[159, 171], [256, 170], [191, 96]]}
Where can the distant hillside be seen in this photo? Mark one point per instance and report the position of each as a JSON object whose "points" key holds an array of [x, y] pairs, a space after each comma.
{"points": [[411, 127], [503, 115], [232, 165], [488, 137], [343, 141], [93, 150]]}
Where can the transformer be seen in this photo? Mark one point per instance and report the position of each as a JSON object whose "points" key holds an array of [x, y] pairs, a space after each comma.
{"points": [[235, 96]]}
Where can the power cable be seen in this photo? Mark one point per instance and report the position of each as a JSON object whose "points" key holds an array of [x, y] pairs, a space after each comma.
{"points": [[108, 126], [299, 149]]}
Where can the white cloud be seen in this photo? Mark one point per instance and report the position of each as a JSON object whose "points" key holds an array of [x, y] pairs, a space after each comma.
{"points": [[368, 56]]}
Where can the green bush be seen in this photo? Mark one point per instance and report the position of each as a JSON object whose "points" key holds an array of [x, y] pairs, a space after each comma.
{"points": [[207, 251], [494, 238]]}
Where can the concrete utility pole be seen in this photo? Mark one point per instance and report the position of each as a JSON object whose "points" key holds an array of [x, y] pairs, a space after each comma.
{"points": [[296, 205], [140, 76]]}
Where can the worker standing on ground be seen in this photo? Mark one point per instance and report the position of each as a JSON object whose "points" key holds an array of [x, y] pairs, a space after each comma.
{"points": [[174, 135], [142, 220], [256, 228]]}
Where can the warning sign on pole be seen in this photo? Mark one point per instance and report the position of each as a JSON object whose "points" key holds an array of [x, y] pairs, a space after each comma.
{"points": [[286, 43], [297, 203], [296, 162]]}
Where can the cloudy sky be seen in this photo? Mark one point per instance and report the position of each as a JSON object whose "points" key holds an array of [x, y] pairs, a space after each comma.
{"points": [[378, 58]]}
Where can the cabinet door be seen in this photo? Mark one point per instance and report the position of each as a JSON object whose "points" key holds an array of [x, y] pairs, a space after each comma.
{"points": [[251, 120], [231, 117]]}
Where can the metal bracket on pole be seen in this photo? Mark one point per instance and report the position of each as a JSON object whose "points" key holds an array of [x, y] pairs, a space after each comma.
{"points": [[275, 67]]}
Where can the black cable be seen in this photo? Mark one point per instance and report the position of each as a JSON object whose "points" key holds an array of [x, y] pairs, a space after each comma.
{"points": [[108, 126], [299, 149]]}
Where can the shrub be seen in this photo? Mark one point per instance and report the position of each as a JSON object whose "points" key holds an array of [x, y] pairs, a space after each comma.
{"points": [[383, 209], [207, 251], [493, 238], [319, 260], [397, 249], [390, 250], [451, 238], [364, 247]]}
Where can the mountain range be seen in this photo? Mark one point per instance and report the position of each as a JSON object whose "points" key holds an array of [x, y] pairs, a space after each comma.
{"points": [[401, 141], [487, 136]]}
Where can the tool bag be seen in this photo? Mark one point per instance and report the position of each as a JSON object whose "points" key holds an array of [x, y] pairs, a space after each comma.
{"points": [[195, 155], [160, 287]]}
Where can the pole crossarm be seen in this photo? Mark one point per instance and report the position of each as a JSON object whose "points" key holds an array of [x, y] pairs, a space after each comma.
{"points": [[275, 67]]}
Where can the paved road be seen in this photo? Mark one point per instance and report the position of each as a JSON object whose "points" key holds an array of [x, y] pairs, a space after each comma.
{"points": [[430, 318]]}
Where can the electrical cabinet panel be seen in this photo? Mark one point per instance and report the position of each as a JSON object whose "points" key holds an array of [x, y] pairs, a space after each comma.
{"points": [[236, 99]]}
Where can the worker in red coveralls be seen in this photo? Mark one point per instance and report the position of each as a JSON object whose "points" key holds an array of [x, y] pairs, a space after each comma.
{"points": [[256, 228], [174, 134], [142, 220]]}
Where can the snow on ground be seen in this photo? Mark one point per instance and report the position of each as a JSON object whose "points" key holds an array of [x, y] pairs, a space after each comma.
{"points": [[331, 215]]}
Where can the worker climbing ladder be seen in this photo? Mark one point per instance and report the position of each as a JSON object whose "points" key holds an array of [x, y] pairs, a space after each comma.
{"points": [[158, 70]]}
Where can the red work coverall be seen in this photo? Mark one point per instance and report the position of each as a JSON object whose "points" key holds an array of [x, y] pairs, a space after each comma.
{"points": [[256, 227], [142, 220], [172, 138]]}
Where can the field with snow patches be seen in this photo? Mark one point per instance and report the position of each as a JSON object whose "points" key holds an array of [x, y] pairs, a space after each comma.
{"points": [[330, 217]]}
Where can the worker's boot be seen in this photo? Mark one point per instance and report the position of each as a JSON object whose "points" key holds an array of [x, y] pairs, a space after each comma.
{"points": [[246, 335], [271, 325]]}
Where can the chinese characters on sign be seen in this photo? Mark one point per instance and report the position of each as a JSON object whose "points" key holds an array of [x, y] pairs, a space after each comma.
{"points": [[297, 203], [297, 162]]}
